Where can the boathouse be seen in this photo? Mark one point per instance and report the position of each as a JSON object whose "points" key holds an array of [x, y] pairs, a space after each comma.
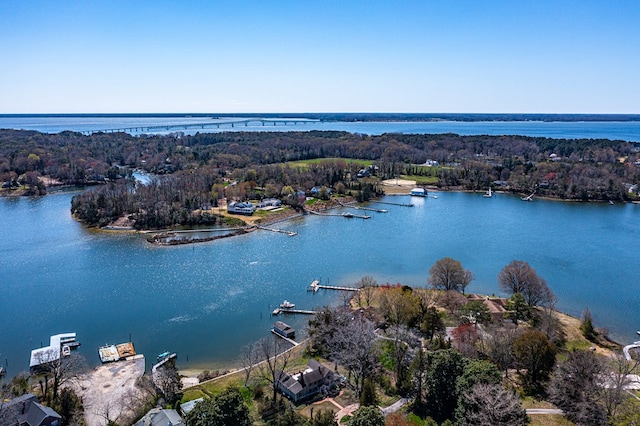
{"points": [[305, 384], [284, 330], [59, 345], [419, 192]]}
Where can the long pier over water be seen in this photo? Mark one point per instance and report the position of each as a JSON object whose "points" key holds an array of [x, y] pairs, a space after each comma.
{"points": [[204, 125]]}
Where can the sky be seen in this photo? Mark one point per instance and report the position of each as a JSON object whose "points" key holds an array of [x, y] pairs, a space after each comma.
{"points": [[431, 56]]}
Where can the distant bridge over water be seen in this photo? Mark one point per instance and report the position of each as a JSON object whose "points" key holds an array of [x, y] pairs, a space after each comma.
{"points": [[206, 125]]}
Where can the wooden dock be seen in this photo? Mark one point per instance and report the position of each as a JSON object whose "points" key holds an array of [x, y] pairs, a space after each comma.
{"points": [[278, 311], [392, 204], [282, 231], [315, 286], [352, 206], [293, 342], [370, 209], [347, 215]]}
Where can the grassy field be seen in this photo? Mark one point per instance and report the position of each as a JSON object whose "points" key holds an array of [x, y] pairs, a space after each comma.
{"points": [[303, 164], [421, 180]]}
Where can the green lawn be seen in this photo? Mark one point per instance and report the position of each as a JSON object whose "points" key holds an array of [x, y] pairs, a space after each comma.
{"points": [[421, 180], [303, 164]]}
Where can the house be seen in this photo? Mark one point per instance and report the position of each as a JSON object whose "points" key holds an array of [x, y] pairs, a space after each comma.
{"points": [[305, 384], [187, 407], [160, 417], [26, 411], [241, 208], [363, 173], [317, 189], [269, 202], [496, 305]]}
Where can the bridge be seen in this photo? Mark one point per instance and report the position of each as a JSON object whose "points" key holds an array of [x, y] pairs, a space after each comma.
{"points": [[205, 125]]}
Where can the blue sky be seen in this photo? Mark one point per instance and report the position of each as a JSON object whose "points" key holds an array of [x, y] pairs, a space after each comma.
{"points": [[547, 56]]}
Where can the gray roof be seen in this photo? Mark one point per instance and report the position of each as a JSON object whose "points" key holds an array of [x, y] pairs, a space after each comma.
{"points": [[26, 410], [160, 417]]}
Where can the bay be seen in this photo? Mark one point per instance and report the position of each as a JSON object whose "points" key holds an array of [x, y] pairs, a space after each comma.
{"points": [[206, 301], [622, 130]]}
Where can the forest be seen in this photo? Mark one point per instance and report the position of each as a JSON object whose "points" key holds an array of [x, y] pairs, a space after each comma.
{"points": [[194, 172]]}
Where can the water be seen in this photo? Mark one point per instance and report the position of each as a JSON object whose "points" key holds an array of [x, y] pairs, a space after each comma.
{"points": [[628, 130], [206, 301]]}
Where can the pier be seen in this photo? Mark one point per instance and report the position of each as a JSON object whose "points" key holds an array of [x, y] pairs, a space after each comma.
{"points": [[392, 204], [347, 215], [293, 342], [372, 209], [315, 286], [282, 231], [278, 311]]}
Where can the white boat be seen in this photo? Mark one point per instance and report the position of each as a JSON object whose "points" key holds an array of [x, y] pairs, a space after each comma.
{"points": [[287, 305], [488, 194], [66, 350], [528, 198]]}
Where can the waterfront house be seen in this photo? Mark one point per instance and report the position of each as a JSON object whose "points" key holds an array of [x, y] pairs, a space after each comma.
{"points": [[26, 411], [315, 379], [238, 207], [495, 305], [269, 202]]}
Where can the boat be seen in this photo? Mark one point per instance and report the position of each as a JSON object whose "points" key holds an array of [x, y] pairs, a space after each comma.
{"points": [[638, 331], [66, 350], [287, 305], [528, 198], [347, 215], [488, 194]]}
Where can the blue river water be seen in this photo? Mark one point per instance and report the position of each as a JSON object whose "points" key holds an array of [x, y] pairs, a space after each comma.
{"points": [[207, 300]]}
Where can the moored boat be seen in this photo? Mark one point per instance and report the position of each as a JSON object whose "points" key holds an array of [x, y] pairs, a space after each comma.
{"points": [[287, 305]]}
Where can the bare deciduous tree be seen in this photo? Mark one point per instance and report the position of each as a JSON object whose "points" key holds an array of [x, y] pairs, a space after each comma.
{"points": [[492, 404], [275, 359], [519, 277], [58, 370], [367, 287], [249, 357], [448, 274]]}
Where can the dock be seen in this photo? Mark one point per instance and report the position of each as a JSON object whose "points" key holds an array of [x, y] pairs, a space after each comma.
{"points": [[352, 206], [371, 209], [392, 204], [315, 286], [347, 215], [293, 342], [112, 353], [282, 231], [278, 311]]}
